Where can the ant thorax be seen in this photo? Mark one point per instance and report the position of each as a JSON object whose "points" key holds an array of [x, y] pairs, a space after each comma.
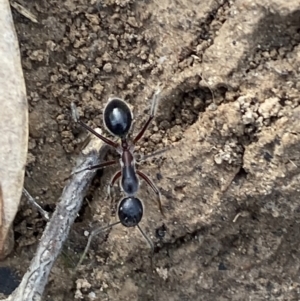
{"points": [[127, 159], [129, 180]]}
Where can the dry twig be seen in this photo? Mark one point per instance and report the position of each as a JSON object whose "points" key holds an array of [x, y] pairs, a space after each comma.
{"points": [[35, 279], [23, 11], [32, 201]]}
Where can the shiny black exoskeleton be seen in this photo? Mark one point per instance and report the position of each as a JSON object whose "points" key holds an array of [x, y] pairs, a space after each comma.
{"points": [[130, 211], [117, 117], [129, 179]]}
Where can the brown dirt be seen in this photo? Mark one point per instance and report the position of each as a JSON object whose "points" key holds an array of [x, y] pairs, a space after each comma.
{"points": [[230, 183]]}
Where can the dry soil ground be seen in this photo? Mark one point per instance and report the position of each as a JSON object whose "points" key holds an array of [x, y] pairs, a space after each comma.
{"points": [[230, 182]]}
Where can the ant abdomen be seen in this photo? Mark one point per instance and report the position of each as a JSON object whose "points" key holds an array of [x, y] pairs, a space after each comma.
{"points": [[130, 211], [117, 117]]}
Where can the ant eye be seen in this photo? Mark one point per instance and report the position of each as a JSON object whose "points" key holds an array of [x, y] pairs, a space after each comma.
{"points": [[117, 117]]}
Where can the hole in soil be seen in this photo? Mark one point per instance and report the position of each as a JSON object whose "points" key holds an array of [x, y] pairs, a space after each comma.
{"points": [[241, 175], [160, 232], [83, 212], [185, 109]]}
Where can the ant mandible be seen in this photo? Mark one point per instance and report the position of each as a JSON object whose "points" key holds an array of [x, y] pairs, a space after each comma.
{"points": [[118, 117]]}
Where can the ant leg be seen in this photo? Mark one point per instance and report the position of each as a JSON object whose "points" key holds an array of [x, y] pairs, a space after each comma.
{"points": [[98, 166], [104, 139], [112, 182], [149, 241], [154, 188], [94, 233], [152, 113]]}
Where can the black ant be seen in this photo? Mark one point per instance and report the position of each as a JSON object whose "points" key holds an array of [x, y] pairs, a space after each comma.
{"points": [[118, 117]]}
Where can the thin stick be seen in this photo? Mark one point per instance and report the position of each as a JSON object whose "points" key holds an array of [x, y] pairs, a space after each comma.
{"points": [[155, 99], [23, 11], [32, 201], [35, 279]]}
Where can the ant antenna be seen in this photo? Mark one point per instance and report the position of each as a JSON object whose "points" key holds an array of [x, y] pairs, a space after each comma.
{"points": [[94, 233]]}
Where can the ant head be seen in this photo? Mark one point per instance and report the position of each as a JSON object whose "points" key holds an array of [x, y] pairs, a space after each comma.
{"points": [[117, 117], [130, 211]]}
